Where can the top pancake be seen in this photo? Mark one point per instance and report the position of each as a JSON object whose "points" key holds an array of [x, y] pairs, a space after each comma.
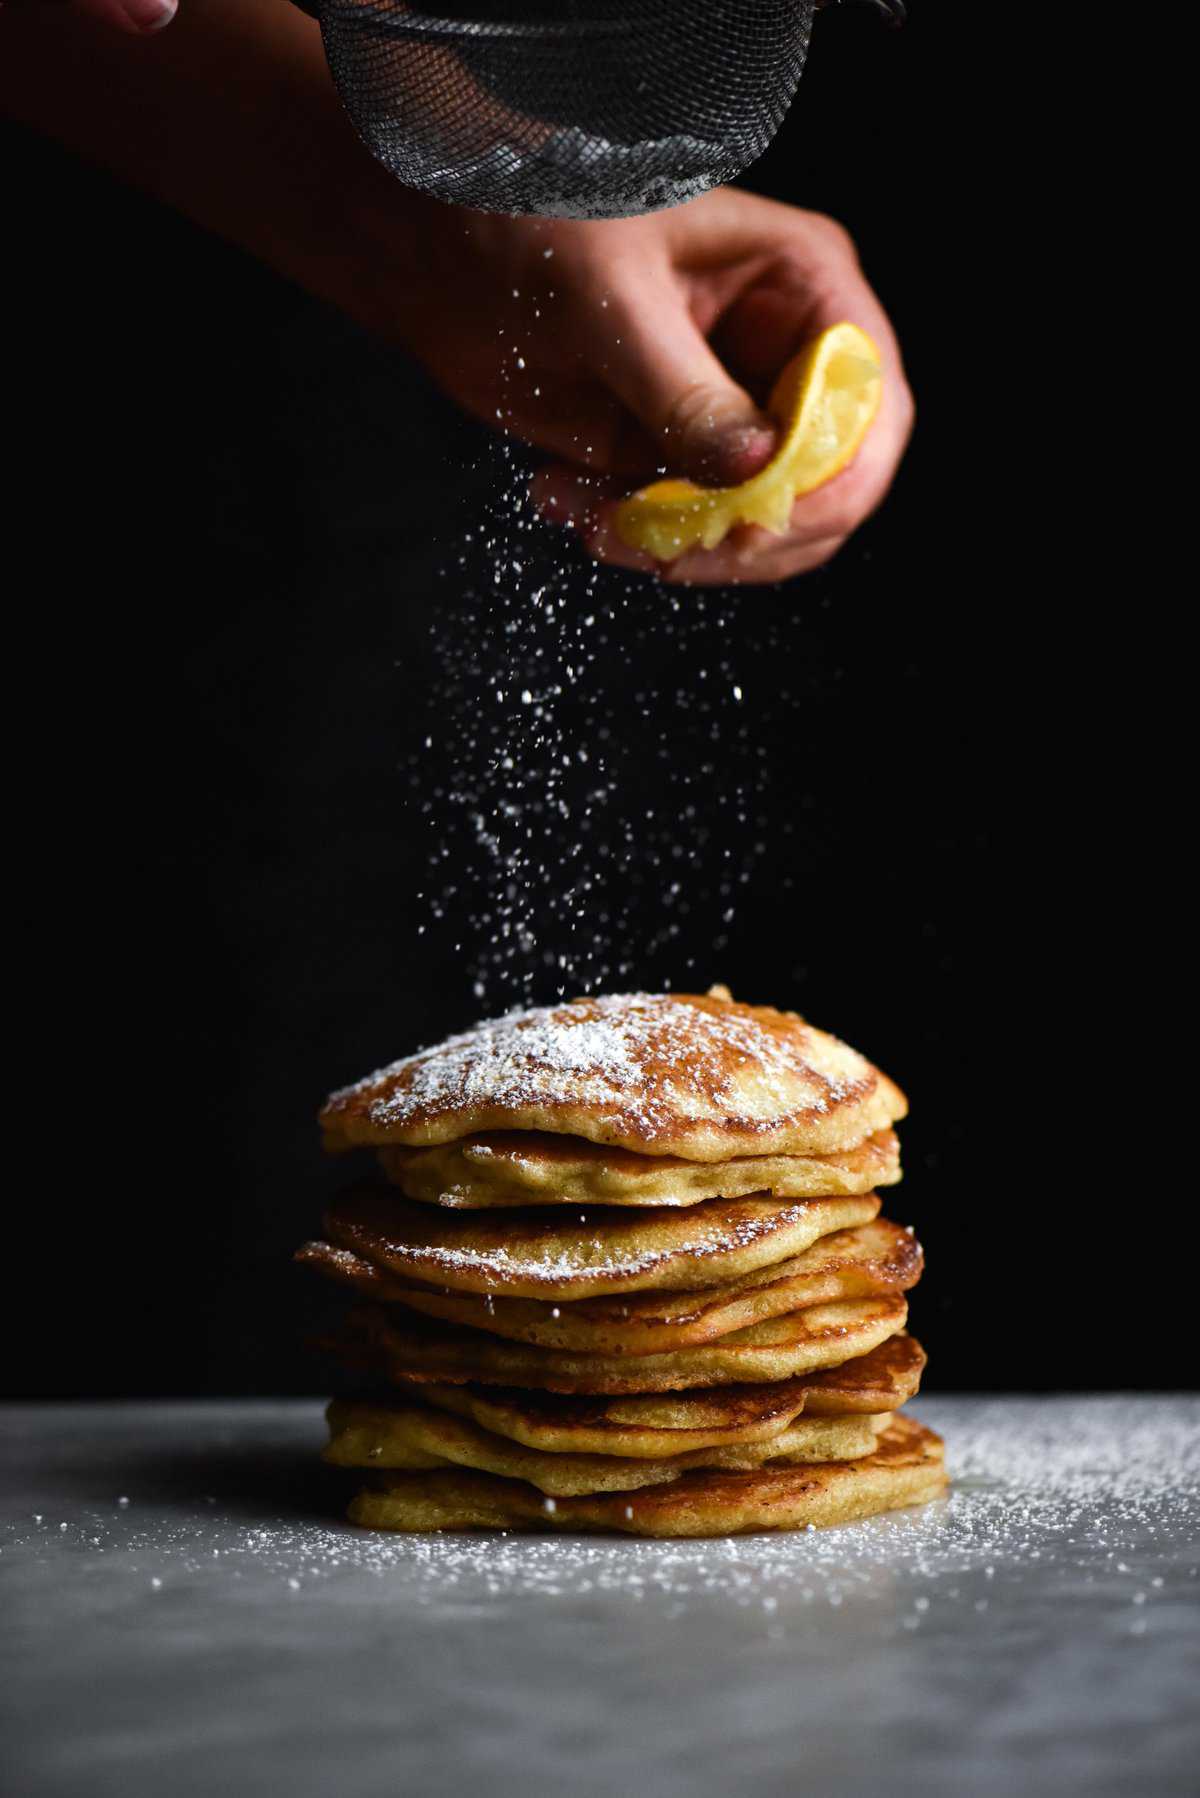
{"points": [[504, 1168], [703, 1078]]}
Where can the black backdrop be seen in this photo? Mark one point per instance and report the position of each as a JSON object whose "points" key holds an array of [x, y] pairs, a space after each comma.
{"points": [[225, 525]]}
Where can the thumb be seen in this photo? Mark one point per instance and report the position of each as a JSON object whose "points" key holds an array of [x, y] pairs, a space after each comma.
{"points": [[663, 369]]}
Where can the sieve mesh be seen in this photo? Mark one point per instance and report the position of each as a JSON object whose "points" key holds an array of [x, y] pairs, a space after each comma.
{"points": [[570, 108]]}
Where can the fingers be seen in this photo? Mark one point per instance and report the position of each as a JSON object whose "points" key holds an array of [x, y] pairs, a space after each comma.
{"points": [[812, 281], [771, 276], [663, 369], [820, 523], [753, 565], [812, 278], [584, 502], [748, 556], [137, 17]]}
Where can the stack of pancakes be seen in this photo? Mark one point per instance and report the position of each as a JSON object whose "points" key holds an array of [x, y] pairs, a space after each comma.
{"points": [[626, 1270]]}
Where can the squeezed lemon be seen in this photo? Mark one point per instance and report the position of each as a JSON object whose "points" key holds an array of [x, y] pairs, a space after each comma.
{"points": [[823, 402]]}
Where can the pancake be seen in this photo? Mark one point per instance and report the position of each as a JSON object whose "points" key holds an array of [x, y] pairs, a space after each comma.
{"points": [[580, 1255], [906, 1468], [876, 1257], [819, 1336], [676, 1423], [531, 1167], [661, 1074], [414, 1438]]}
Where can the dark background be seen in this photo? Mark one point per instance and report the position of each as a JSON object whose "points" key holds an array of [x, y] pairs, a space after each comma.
{"points": [[227, 515]]}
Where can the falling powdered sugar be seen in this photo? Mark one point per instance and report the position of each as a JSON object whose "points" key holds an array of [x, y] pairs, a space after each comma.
{"points": [[590, 765]]}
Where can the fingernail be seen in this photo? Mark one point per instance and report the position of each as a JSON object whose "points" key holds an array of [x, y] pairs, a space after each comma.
{"points": [[150, 15], [729, 453], [744, 451]]}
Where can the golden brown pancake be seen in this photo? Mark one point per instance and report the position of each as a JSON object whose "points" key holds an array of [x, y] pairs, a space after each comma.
{"points": [[531, 1167], [906, 1468], [675, 1423], [557, 1255], [415, 1438], [848, 1264], [662, 1074], [819, 1336], [669, 1423]]}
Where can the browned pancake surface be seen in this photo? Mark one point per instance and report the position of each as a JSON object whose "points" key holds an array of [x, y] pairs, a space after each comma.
{"points": [[664, 1423], [418, 1438], [818, 1337], [905, 1469], [579, 1255], [531, 1167], [875, 1257], [704, 1078]]}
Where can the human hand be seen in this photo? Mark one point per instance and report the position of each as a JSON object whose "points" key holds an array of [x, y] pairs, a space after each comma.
{"points": [[634, 347], [134, 16], [621, 347]]}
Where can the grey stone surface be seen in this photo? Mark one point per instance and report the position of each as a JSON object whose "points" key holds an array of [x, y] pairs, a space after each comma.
{"points": [[185, 1614]]}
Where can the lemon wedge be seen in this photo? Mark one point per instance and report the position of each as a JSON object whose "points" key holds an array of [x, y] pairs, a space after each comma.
{"points": [[823, 402]]}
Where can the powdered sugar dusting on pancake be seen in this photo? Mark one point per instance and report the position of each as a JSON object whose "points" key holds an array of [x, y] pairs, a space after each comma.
{"points": [[537, 1253], [636, 1067]]}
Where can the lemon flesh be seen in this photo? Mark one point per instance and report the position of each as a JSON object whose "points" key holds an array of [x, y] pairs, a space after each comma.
{"points": [[823, 402]]}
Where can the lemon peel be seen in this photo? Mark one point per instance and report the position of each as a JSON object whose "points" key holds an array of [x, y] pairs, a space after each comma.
{"points": [[823, 402]]}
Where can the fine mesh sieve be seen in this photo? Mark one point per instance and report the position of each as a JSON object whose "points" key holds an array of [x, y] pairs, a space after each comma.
{"points": [[566, 108]]}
